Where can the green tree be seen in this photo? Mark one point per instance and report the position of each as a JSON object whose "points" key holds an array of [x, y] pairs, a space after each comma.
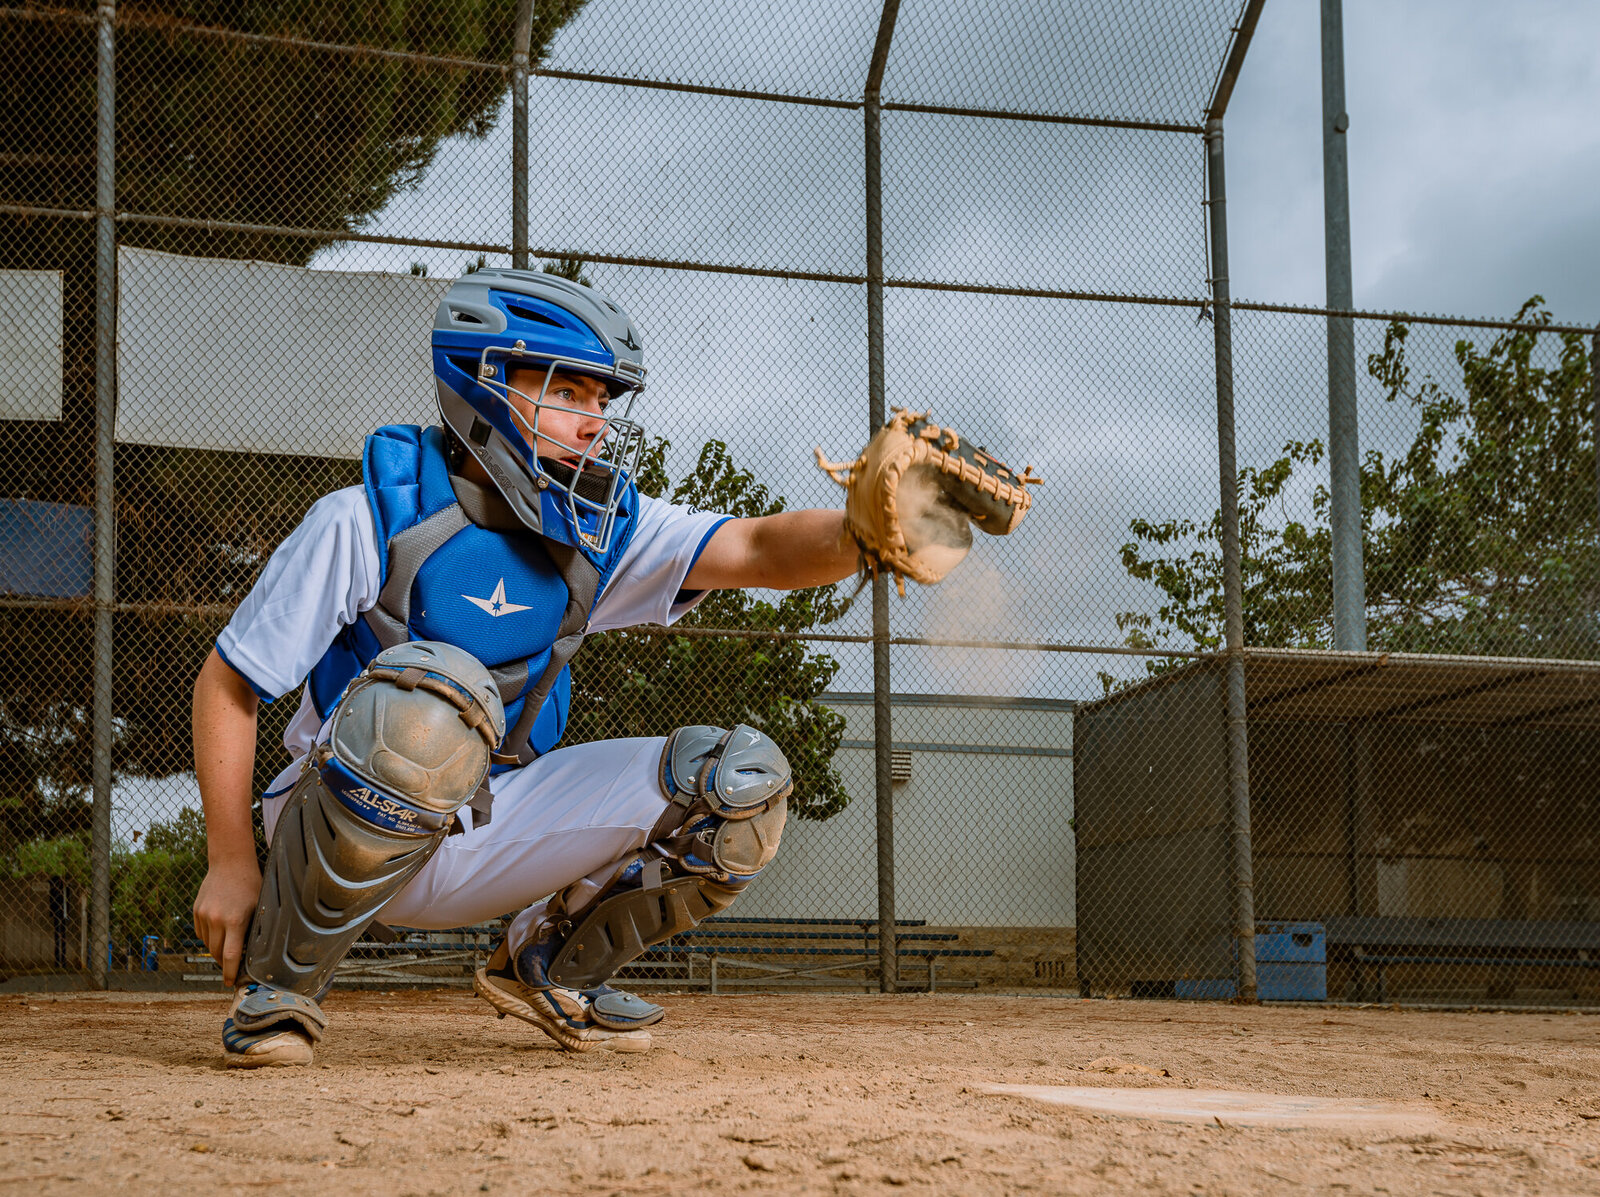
{"points": [[1481, 538], [152, 893], [184, 836], [634, 684], [65, 856], [153, 889]]}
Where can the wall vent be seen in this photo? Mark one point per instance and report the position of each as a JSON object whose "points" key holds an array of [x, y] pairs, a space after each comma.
{"points": [[1058, 972]]}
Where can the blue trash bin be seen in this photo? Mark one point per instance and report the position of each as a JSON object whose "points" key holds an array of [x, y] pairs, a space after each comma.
{"points": [[1291, 966]]}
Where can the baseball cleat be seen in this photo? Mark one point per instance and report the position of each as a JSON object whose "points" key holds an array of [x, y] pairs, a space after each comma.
{"points": [[570, 1017], [262, 1044]]}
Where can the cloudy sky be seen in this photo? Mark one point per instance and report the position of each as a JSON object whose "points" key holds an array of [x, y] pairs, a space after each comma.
{"points": [[1474, 156], [1473, 162]]}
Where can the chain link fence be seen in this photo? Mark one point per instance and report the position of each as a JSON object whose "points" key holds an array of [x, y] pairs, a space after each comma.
{"points": [[222, 237]]}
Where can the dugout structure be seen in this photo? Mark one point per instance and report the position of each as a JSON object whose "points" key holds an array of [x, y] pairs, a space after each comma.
{"points": [[1423, 811]]}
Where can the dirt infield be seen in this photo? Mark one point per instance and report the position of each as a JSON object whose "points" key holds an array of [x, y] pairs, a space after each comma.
{"points": [[427, 1093]]}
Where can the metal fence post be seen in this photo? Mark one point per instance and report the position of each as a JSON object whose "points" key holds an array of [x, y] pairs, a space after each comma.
{"points": [[1344, 443], [519, 135], [1244, 916], [882, 726], [1594, 408], [105, 396]]}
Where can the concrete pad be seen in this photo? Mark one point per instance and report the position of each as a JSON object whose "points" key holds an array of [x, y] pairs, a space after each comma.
{"points": [[1235, 1107]]}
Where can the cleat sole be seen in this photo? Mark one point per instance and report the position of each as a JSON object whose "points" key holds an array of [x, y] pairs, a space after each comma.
{"points": [[573, 1039]]}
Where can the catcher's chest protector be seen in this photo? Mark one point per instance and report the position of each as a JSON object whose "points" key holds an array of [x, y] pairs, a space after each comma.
{"points": [[515, 601]]}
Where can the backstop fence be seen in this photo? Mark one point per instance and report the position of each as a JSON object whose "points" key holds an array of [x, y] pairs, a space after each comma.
{"points": [[1286, 689]]}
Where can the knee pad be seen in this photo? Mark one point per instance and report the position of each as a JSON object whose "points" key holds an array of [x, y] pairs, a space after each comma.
{"points": [[729, 793], [407, 746]]}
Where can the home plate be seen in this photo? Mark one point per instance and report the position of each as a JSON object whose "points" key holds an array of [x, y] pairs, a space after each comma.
{"points": [[1232, 1107]]}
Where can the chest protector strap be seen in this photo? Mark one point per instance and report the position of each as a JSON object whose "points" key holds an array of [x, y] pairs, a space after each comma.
{"points": [[390, 619], [583, 581]]}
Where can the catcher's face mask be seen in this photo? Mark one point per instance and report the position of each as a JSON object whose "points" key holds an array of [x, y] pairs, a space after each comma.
{"points": [[574, 429]]}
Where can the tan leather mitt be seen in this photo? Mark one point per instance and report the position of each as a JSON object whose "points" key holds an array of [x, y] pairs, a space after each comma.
{"points": [[912, 497]]}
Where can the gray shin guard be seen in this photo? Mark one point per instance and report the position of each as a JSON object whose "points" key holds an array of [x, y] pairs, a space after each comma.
{"points": [[408, 744], [619, 928], [328, 874], [729, 791]]}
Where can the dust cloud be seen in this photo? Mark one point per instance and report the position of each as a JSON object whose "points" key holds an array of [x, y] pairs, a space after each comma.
{"points": [[938, 533]]}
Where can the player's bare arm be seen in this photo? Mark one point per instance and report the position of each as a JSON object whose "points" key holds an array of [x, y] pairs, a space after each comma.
{"points": [[224, 755], [786, 551]]}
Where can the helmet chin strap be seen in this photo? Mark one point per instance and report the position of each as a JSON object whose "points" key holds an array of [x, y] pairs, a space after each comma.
{"points": [[593, 482]]}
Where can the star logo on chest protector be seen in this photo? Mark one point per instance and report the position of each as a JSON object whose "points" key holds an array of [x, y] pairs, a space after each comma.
{"points": [[496, 603]]}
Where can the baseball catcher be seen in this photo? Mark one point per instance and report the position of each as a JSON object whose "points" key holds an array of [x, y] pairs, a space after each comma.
{"points": [[425, 621]]}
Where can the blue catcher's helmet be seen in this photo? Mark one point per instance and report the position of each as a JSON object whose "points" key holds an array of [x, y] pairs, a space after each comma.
{"points": [[493, 320]]}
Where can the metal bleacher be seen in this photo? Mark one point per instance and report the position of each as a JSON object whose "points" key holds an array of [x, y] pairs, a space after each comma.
{"points": [[719, 954]]}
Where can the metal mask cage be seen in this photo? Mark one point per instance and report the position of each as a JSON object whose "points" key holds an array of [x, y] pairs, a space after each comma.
{"points": [[612, 455]]}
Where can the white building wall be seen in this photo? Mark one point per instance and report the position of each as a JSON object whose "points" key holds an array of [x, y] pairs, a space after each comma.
{"points": [[30, 344], [983, 834], [189, 329]]}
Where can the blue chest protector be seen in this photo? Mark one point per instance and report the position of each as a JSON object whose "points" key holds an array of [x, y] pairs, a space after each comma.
{"points": [[517, 601]]}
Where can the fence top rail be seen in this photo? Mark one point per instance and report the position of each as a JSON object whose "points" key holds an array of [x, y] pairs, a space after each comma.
{"points": [[1294, 309], [545, 253], [133, 19]]}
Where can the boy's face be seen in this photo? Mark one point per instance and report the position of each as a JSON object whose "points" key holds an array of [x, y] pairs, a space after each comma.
{"points": [[569, 416]]}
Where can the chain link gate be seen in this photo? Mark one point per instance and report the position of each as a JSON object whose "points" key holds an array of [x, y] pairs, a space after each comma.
{"points": [[222, 236]]}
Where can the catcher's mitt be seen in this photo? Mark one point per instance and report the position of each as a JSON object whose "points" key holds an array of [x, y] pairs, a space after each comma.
{"points": [[910, 496]]}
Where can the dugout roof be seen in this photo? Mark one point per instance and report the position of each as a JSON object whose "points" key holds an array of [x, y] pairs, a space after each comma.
{"points": [[1316, 686]]}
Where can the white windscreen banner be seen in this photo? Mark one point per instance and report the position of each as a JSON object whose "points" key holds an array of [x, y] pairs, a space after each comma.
{"points": [[30, 344], [255, 357]]}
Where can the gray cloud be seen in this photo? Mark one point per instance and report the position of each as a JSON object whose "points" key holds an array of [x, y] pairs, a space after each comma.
{"points": [[1473, 157]]}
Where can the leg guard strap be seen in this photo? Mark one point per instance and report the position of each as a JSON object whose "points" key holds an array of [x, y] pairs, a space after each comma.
{"points": [[262, 1007], [619, 928], [619, 1011]]}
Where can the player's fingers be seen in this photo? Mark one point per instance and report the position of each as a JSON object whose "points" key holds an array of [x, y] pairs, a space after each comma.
{"points": [[204, 929], [232, 950]]}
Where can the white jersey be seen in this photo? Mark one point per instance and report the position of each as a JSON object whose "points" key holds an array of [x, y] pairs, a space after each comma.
{"points": [[327, 573]]}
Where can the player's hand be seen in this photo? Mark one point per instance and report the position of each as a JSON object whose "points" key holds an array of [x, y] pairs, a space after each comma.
{"points": [[222, 911]]}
